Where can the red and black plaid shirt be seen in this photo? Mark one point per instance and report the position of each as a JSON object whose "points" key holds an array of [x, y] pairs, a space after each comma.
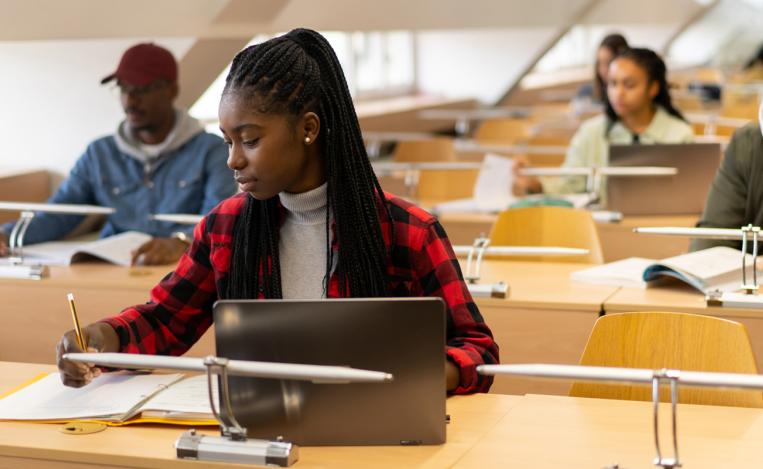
{"points": [[422, 264]]}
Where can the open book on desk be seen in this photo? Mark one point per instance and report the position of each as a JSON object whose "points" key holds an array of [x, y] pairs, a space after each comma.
{"points": [[717, 268], [115, 249], [116, 398]]}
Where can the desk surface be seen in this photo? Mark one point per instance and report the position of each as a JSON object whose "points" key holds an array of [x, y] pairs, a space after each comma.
{"points": [[98, 274], [553, 432], [485, 431], [673, 297], [543, 285], [541, 294], [530, 282], [152, 446]]}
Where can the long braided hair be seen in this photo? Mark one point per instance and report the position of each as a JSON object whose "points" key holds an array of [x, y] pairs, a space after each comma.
{"points": [[293, 74], [655, 69]]}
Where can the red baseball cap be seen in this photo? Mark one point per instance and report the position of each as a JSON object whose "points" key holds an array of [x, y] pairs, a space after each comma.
{"points": [[143, 64]]}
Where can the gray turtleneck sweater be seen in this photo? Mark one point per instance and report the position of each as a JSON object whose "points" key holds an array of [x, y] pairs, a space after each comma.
{"points": [[302, 246]]}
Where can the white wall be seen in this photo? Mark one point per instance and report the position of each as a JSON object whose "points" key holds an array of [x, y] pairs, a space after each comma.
{"points": [[52, 103], [476, 63]]}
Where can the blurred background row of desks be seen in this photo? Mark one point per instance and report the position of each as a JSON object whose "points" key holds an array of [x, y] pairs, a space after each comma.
{"points": [[617, 238]]}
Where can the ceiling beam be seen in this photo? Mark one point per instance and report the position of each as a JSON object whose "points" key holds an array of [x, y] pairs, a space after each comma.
{"points": [[575, 19], [690, 21], [202, 64], [209, 56]]}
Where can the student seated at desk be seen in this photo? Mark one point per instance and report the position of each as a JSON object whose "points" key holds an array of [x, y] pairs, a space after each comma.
{"points": [[736, 196], [638, 110], [159, 161], [311, 222]]}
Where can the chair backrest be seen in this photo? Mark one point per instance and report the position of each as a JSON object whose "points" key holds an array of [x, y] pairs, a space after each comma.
{"points": [[431, 149], [437, 186], [548, 226], [504, 130], [657, 340]]}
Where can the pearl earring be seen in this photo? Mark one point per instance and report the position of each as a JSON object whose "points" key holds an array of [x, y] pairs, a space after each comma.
{"points": [[307, 139]]}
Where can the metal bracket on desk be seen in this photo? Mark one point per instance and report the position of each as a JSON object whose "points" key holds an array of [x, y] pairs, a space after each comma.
{"points": [[593, 186], [748, 297], [750, 288], [16, 237], [462, 126], [411, 182], [232, 445], [16, 267], [657, 378], [492, 290]]}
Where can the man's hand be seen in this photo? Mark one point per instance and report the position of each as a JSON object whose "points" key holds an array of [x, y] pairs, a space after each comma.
{"points": [[159, 251]]}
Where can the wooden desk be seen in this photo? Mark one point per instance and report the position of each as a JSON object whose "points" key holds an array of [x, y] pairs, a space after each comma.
{"points": [[682, 298], [554, 432], [35, 312], [546, 319], [463, 228], [43, 446], [618, 241], [485, 431]]}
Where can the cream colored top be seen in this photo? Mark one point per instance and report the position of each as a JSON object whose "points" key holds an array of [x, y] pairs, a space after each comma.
{"points": [[589, 147]]}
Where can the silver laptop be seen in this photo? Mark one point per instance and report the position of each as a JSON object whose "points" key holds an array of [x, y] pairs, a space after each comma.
{"points": [[402, 336], [682, 194]]}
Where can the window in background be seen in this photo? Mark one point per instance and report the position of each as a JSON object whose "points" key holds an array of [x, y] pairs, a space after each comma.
{"points": [[726, 37], [376, 64]]}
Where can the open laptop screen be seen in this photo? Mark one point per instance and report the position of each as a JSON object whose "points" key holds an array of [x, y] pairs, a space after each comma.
{"points": [[402, 336], [682, 194]]}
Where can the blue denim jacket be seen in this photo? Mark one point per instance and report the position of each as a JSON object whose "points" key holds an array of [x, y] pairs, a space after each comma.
{"points": [[191, 179]]}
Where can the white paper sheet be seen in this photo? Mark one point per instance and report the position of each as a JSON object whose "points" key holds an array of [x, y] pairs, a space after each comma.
{"points": [[111, 396]]}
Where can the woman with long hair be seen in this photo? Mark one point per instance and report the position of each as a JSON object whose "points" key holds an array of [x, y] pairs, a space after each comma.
{"points": [[311, 221], [638, 110]]}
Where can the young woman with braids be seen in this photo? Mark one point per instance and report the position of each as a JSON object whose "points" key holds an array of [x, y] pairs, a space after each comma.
{"points": [[638, 110], [311, 221]]}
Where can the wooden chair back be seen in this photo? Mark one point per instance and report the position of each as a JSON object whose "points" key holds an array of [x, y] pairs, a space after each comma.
{"points": [[504, 130], [437, 186], [657, 340], [548, 226]]}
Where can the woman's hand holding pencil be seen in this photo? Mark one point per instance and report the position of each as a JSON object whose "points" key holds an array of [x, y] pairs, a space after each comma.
{"points": [[97, 337]]}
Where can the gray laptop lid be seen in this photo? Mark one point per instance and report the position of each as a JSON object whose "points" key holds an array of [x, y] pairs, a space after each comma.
{"points": [[682, 194], [402, 336]]}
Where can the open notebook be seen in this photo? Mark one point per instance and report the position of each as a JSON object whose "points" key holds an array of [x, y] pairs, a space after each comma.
{"points": [[117, 398], [718, 268], [115, 249]]}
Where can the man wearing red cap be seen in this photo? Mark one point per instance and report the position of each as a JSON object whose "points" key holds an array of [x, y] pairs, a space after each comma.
{"points": [[159, 161]]}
